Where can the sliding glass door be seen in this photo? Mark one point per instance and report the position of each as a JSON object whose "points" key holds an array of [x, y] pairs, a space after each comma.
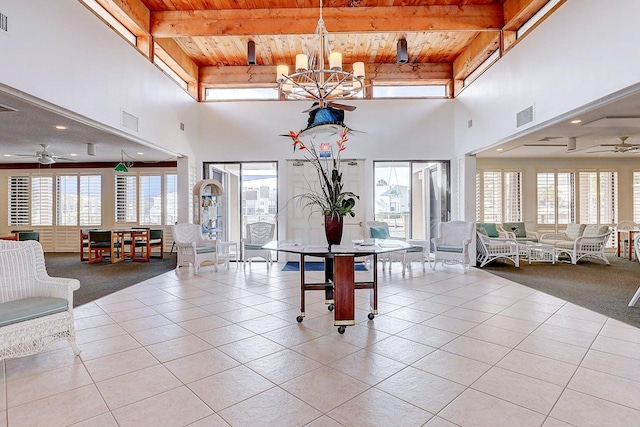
{"points": [[412, 197], [250, 194]]}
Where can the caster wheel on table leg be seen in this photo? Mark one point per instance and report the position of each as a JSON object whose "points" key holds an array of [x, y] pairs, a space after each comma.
{"points": [[299, 319], [330, 307], [371, 316], [341, 329]]}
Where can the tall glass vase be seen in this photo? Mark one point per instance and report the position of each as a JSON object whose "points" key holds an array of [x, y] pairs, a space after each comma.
{"points": [[333, 229]]}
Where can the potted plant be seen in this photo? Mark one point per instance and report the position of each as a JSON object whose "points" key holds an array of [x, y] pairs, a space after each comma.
{"points": [[327, 196]]}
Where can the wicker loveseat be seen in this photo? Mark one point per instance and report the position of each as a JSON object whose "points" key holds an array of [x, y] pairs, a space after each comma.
{"points": [[580, 241], [35, 309]]}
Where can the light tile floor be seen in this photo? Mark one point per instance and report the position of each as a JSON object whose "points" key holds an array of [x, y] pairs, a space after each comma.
{"points": [[224, 348]]}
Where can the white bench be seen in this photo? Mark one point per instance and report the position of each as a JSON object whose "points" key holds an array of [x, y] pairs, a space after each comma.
{"points": [[35, 309]]}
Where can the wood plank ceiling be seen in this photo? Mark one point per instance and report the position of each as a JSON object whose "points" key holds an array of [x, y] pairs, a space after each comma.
{"points": [[205, 41]]}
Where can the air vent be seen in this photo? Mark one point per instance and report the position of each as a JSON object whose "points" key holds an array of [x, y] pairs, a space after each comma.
{"points": [[6, 109], [129, 121], [525, 116], [4, 23]]}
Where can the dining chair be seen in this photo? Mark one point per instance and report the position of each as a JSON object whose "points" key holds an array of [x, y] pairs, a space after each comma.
{"points": [[101, 241], [146, 241], [452, 244]]}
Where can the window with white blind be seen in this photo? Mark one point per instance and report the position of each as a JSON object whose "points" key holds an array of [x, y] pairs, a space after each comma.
{"points": [[636, 197], [598, 202], [126, 200], [67, 200], [150, 200], [18, 201], [171, 199], [90, 203], [78, 200], [555, 197], [41, 200], [499, 196]]}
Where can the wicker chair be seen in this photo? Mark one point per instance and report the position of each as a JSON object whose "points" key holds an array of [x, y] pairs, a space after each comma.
{"points": [[192, 248], [591, 245], [35, 309], [452, 244], [257, 235], [492, 248], [380, 230]]}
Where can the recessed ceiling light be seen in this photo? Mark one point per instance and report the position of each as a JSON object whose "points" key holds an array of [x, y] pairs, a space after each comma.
{"points": [[60, 127], [499, 149], [575, 122], [73, 154], [140, 153], [7, 155]]}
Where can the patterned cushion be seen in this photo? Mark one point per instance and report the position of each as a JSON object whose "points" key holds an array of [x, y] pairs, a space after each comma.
{"points": [[574, 231], [515, 227], [595, 230], [379, 232], [490, 228], [481, 230]]}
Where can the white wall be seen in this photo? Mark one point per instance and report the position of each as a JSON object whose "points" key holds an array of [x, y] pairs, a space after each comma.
{"points": [[383, 130], [60, 52], [582, 53]]}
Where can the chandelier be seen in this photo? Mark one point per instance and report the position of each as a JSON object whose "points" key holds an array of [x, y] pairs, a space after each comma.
{"points": [[312, 80]]}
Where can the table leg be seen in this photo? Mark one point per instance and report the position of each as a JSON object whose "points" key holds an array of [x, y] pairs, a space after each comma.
{"points": [[299, 318], [374, 292], [344, 291]]}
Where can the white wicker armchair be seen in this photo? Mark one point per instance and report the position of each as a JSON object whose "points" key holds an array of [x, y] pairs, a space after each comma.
{"points": [[192, 248], [452, 244], [492, 248], [257, 235], [35, 309]]}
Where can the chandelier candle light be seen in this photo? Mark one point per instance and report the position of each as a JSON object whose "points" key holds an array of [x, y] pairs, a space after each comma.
{"points": [[312, 81]]}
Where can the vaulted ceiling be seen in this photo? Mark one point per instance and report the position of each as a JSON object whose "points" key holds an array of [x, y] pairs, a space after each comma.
{"points": [[205, 41]]}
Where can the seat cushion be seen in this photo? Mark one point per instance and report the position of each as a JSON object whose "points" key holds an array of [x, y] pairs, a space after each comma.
{"points": [[515, 227], [30, 308], [526, 239], [251, 246], [449, 248], [415, 249], [379, 232], [489, 227], [205, 250]]}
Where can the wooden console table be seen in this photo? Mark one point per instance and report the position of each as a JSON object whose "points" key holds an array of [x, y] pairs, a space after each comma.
{"points": [[340, 284]]}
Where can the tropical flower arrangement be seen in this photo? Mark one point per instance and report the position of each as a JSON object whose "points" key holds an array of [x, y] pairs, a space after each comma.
{"points": [[328, 197]]}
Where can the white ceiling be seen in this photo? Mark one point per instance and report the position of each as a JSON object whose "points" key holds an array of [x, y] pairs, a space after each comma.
{"points": [[33, 123], [23, 131]]}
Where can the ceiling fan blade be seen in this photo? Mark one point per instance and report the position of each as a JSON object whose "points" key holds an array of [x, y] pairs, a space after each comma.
{"points": [[602, 151], [26, 155], [341, 106]]}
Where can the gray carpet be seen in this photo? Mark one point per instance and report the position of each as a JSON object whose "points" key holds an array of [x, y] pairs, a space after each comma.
{"points": [[103, 278], [591, 284]]}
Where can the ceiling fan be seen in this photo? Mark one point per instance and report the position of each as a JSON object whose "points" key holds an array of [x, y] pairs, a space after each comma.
{"points": [[622, 147], [44, 156]]}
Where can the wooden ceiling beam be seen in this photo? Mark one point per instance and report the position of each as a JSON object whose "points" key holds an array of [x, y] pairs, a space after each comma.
{"points": [[517, 12], [133, 14], [475, 54], [247, 22], [169, 51], [261, 76]]}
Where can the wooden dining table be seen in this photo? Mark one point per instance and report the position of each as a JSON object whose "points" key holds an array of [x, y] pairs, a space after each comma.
{"points": [[631, 233]]}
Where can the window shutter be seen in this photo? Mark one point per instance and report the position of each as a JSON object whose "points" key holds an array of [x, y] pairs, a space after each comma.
{"points": [[41, 200], [636, 197], [126, 202], [492, 197], [171, 199], [150, 200], [18, 201], [90, 203], [512, 197], [546, 193], [67, 200]]}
